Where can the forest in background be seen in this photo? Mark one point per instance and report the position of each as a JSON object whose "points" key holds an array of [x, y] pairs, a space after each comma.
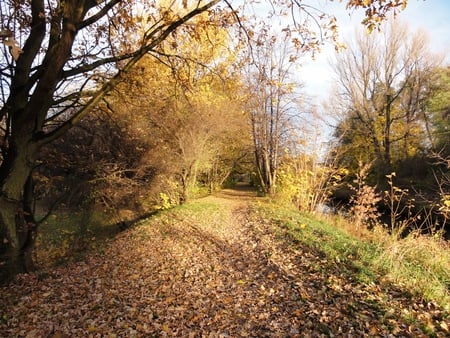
{"points": [[123, 108]]}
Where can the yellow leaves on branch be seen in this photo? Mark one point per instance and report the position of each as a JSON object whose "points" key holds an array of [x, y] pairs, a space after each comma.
{"points": [[382, 5], [445, 205], [376, 10]]}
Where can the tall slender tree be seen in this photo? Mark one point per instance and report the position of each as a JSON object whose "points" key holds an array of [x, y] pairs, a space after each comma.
{"points": [[273, 102]]}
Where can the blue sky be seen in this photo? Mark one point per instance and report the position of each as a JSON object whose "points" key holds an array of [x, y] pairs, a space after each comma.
{"points": [[431, 15]]}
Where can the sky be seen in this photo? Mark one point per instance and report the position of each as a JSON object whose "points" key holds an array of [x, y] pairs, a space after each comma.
{"points": [[433, 16]]}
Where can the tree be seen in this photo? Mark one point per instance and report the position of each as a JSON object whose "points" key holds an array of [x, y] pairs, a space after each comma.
{"points": [[439, 130], [188, 108], [439, 107], [71, 58], [307, 173], [384, 80], [65, 56], [273, 103]]}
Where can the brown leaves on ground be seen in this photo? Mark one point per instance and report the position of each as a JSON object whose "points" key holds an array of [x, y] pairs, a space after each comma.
{"points": [[220, 272]]}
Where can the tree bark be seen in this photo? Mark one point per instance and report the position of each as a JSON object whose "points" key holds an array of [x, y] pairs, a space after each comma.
{"points": [[17, 225]]}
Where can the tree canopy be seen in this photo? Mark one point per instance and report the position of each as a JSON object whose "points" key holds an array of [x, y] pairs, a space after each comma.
{"points": [[384, 81]]}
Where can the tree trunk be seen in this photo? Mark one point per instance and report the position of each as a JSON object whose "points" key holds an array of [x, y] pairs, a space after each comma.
{"points": [[184, 186], [17, 224], [17, 231]]}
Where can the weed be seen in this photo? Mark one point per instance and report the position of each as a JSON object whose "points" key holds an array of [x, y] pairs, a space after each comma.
{"points": [[364, 201]]}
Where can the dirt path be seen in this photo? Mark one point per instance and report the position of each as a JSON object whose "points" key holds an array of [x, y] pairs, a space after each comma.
{"points": [[213, 269]]}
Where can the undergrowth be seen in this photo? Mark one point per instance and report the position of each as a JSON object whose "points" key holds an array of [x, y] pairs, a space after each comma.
{"points": [[421, 263], [70, 235]]}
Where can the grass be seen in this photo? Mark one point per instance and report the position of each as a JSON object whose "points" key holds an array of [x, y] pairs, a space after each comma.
{"points": [[419, 264], [68, 235], [335, 243], [199, 207]]}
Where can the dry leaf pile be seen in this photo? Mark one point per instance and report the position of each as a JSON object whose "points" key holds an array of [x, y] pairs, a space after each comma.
{"points": [[224, 273]]}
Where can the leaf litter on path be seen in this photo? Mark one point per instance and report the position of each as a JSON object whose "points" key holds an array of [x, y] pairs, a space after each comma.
{"points": [[218, 272]]}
